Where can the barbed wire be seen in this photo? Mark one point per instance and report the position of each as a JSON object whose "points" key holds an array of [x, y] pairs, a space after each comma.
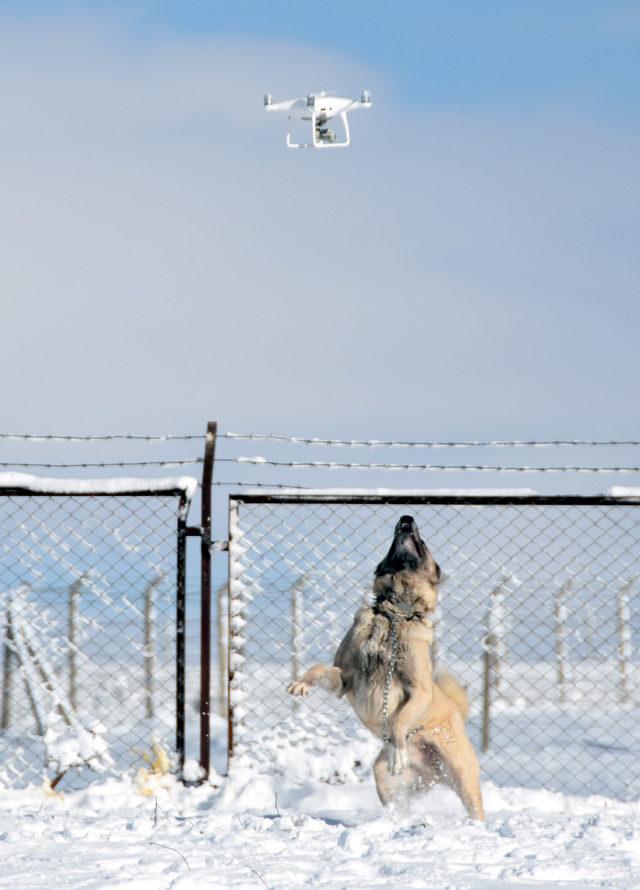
{"points": [[312, 440], [441, 468], [471, 443], [261, 485], [103, 464], [317, 465], [130, 437]]}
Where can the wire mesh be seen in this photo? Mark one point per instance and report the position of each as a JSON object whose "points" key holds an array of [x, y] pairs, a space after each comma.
{"points": [[539, 608], [88, 601]]}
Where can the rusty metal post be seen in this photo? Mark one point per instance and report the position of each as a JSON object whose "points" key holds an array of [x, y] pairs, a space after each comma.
{"points": [[205, 598], [181, 618]]}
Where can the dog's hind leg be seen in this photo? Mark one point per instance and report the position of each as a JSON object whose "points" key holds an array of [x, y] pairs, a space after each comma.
{"points": [[466, 783], [319, 675], [460, 765]]}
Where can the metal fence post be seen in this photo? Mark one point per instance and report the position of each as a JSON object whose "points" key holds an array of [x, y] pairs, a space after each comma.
{"points": [[181, 616], [486, 698], [8, 659], [72, 628], [205, 598], [149, 645], [297, 611], [493, 653], [624, 639], [560, 615]]}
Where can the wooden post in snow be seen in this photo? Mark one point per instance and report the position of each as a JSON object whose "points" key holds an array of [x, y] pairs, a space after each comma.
{"points": [[560, 628], [492, 655], [624, 638]]}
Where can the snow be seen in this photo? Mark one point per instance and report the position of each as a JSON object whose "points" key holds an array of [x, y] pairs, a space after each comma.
{"points": [[624, 491], [44, 485], [265, 830]]}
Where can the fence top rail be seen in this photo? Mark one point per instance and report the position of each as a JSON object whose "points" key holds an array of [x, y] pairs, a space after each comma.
{"points": [[462, 497], [24, 484]]}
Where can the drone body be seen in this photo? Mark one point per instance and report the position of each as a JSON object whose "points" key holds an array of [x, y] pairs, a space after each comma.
{"points": [[319, 109]]}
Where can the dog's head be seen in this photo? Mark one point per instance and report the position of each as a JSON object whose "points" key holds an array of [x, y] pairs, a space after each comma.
{"points": [[408, 574]]}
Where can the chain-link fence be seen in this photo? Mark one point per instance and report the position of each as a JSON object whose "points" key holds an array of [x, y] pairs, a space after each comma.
{"points": [[92, 615], [538, 617]]}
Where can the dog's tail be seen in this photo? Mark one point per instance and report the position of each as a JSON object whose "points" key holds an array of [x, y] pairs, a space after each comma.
{"points": [[450, 686]]}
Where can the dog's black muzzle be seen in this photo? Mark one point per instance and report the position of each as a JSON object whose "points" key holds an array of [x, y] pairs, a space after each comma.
{"points": [[407, 551]]}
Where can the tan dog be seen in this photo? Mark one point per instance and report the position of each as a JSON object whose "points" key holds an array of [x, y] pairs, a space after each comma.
{"points": [[383, 667]]}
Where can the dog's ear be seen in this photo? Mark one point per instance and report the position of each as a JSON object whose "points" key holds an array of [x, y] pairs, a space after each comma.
{"points": [[433, 569]]}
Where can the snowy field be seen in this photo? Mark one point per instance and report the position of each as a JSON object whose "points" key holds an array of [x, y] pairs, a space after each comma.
{"points": [[258, 829]]}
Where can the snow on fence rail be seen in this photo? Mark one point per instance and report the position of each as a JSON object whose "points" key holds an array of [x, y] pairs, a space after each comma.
{"points": [[91, 624], [538, 616]]}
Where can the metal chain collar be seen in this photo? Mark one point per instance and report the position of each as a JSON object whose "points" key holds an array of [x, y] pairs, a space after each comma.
{"points": [[387, 683], [393, 629]]}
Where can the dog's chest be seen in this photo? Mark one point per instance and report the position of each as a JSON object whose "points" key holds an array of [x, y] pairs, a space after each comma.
{"points": [[374, 652]]}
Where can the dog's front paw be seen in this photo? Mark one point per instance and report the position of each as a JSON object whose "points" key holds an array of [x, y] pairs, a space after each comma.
{"points": [[298, 687], [398, 759]]}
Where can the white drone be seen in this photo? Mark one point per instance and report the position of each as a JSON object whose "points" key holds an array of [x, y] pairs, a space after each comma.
{"points": [[319, 108]]}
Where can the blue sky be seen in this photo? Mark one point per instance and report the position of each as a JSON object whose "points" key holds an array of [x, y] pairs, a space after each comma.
{"points": [[481, 232], [467, 52]]}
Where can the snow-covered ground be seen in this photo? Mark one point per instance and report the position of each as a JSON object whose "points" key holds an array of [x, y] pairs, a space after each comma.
{"points": [[256, 830]]}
